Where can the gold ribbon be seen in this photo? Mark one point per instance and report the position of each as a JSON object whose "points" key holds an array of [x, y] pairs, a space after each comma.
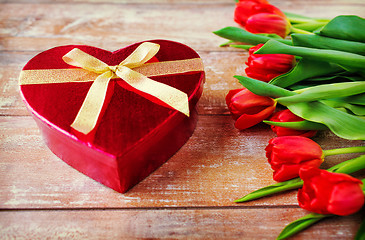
{"points": [[92, 69]]}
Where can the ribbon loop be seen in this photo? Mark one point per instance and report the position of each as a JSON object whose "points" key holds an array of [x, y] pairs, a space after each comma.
{"points": [[78, 58], [142, 54]]}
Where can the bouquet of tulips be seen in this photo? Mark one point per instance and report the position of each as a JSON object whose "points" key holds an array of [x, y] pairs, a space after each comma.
{"points": [[303, 75]]}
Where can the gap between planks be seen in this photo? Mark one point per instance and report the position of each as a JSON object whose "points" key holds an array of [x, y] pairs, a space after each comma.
{"points": [[182, 208]]}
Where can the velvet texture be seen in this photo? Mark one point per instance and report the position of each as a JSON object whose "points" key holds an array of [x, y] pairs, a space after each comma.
{"points": [[135, 135]]}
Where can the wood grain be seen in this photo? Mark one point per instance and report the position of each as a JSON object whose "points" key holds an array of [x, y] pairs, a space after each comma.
{"points": [[235, 223], [110, 26], [189, 197], [216, 153]]}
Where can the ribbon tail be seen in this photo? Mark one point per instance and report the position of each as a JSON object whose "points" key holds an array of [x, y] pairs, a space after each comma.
{"points": [[170, 96], [91, 108]]}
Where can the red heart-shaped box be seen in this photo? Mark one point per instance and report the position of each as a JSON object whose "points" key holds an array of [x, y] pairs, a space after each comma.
{"points": [[135, 135]]}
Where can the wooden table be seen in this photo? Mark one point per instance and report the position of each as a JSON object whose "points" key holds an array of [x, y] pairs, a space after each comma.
{"points": [[191, 196]]}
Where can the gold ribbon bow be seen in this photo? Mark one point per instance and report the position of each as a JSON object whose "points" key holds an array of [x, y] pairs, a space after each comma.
{"points": [[90, 110]]}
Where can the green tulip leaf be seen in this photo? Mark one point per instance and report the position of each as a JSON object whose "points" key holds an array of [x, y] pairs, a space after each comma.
{"points": [[272, 36], [300, 224], [305, 69], [338, 77], [272, 189], [327, 79], [355, 109], [317, 41], [301, 125], [342, 124], [360, 235], [241, 35], [324, 91], [349, 61], [358, 99], [262, 88], [358, 110], [344, 27]]}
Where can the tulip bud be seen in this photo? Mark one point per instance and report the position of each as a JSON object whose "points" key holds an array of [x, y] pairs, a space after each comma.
{"points": [[288, 154], [268, 23], [325, 192], [287, 116], [265, 67], [247, 108], [247, 8]]}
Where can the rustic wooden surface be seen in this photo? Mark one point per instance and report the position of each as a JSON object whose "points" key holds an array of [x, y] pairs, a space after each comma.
{"points": [[191, 196]]}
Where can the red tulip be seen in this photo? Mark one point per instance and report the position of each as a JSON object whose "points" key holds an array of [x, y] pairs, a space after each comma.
{"points": [[324, 192], [288, 154], [265, 67], [247, 108], [247, 8], [287, 116], [268, 23]]}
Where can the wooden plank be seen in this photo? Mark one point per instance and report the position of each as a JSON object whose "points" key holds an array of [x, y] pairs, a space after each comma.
{"points": [[174, 2], [189, 197], [219, 67], [42, 26], [168, 223], [217, 165], [58, 24], [196, 2]]}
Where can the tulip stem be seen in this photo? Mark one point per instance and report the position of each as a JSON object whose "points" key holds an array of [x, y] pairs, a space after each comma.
{"points": [[337, 151], [349, 166], [226, 44], [297, 30], [296, 18], [246, 47]]}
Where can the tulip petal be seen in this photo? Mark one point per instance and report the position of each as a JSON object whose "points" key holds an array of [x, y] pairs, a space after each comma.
{"points": [[330, 193], [268, 23], [347, 198], [230, 94], [246, 121]]}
